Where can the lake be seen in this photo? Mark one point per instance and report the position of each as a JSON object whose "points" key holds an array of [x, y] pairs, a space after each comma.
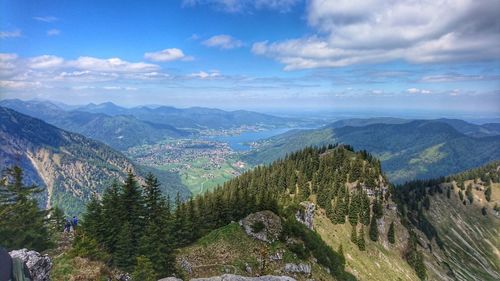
{"points": [[240, 142]]}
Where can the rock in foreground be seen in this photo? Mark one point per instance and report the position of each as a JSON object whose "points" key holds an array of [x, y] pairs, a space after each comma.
{"points": [[271, 226], [232, 277], [38, 265]]}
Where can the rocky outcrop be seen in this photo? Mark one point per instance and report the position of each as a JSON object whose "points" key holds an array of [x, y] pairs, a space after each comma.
{"points": [[170, 279], [231, 277], [38, 265], [302, 268], [271, 226], [305, 214]]}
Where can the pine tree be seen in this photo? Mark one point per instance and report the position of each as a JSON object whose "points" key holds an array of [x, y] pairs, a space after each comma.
{"points": [[22, 223], [378, 210], [133, 208], [487, 193], [373, 229], [156, 243], [125, 254], [390, 234], [92, 219], [468, 193], [354, 208], [57, 220], [354, 236], [361, 240], [143, 270], [112, 216]]}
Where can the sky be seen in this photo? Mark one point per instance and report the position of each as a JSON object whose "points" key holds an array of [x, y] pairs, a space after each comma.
{"points": [[264, 55]]}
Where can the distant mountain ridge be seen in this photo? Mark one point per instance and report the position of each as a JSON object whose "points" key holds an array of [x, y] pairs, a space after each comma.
{"points": [[193, 117], [69, 166], [408, 150]]}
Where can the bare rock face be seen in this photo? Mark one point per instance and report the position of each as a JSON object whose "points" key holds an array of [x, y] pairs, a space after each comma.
{"points": [[270, 222], [302, 268], [231, 277], [305, 214], [170, 279], [39, 266]]}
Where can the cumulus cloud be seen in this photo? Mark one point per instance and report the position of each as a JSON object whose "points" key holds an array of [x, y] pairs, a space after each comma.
{"points": [[53, 32], [165, 55], [10, 34], [241, 6], [223, 41], [359, 31], [46, 19]]}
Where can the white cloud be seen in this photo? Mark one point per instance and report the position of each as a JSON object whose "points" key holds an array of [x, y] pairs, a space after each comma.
{"points": [[16, 85], [240, 6], [418, 91], [205, 75], [10, 34], [46, 19], [223, 41], [46, 62], [359, 31], [111, 65], [165, 55], [53, 32]]}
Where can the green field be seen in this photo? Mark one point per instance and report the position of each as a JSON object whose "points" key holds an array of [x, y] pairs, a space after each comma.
{"points": [[199, 177]]}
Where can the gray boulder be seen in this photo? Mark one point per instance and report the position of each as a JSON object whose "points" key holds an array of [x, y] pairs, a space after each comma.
{"points": [[305, 214], [232, 277], [272, 226], [38, 265]]}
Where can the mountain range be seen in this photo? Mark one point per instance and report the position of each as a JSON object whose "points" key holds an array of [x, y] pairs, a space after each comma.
{"points": [[408, 149], [70, 167]]}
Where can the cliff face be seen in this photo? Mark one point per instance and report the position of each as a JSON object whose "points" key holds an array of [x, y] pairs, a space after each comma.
{"points": [[69, 166]]}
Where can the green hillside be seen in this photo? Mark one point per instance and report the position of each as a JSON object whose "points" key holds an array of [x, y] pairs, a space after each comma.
{"points": [[457, 222], [69, 166], [411, 150]]}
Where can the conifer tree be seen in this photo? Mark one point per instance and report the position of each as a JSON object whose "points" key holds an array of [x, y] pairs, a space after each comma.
{"points": [[354, 208], [132, 206], [156, 243], [57, 220], [124, 255], [361, 240], [144, 270], [390, 234], [468, 193], [22, 223], [112, 216], [487, 193], [373, 229], [354, 236], [92, 219]]}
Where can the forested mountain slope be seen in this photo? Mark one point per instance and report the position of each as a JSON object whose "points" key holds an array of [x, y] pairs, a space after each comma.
{"points": [[119, 132], [412, 150], [69, 166]]}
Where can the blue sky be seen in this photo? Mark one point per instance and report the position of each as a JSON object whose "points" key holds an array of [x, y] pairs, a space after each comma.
{"points": [[380, 55]]}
